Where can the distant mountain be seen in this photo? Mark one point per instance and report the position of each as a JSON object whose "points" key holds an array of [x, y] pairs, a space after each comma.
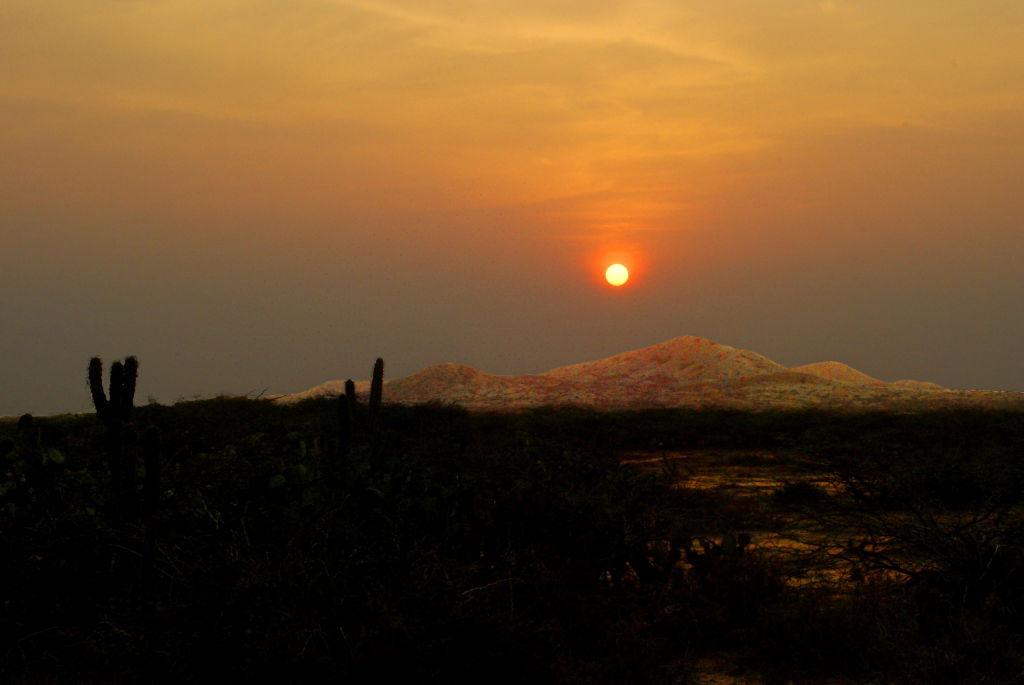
{"points": [[916, 385], [683, 372], [680, 361], [837, 371]]}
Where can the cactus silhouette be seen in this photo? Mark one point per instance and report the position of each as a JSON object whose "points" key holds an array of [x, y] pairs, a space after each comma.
{"points": [[118, 407], [376, 389], [114, 410], [338, 466], [350, 392], [99, 398]]}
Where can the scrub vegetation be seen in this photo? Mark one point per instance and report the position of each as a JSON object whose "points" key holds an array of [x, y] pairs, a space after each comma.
{"points": [[339, 540]]}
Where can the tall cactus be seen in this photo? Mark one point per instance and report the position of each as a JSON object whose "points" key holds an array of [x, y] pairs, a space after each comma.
{"points": [[114, 411], [346, 407], [376, 389]]}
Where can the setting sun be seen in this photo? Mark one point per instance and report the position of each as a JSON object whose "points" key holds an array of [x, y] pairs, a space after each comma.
{"points": [[616, 274]]}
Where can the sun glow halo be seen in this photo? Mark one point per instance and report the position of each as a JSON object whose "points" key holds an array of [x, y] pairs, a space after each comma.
{"points": [[616, 274]]}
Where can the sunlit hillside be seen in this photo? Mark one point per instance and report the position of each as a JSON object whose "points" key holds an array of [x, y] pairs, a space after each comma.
{"points": [[687, 371]]}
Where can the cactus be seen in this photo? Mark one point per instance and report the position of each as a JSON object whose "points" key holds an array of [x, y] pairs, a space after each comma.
{"points": [[118, 407], [346, 408], [376, 389], [114, 411], [341, 447], [99, 398], [128, 381]]}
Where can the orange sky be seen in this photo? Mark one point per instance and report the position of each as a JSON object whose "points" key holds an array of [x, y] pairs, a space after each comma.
{"points": [[270, 194]]}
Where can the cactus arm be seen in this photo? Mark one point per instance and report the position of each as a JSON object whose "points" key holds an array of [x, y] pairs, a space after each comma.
{"points": [[376, 387], [131, 374], [116, 388], [99, 398]]}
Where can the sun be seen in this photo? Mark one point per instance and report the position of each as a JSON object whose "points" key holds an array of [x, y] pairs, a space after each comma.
{"points": [[616, 274]]}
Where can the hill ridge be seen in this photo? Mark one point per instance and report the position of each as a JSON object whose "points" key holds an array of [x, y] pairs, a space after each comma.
{"points": [[686, 371], [837, 371]]}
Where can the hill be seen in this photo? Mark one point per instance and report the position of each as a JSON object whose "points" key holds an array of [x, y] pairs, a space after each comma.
{"points": [[680, 361], [687, 371], [837, 371]]}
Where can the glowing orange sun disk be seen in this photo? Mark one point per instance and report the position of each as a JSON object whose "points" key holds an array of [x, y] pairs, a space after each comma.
{"points": [[616, 274]]}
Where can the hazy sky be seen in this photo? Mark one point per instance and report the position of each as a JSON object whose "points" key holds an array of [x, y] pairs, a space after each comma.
{"points": [[258, 194]]}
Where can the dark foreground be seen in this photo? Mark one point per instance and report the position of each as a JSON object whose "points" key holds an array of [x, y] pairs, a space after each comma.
{"points": [[248, 540]]}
